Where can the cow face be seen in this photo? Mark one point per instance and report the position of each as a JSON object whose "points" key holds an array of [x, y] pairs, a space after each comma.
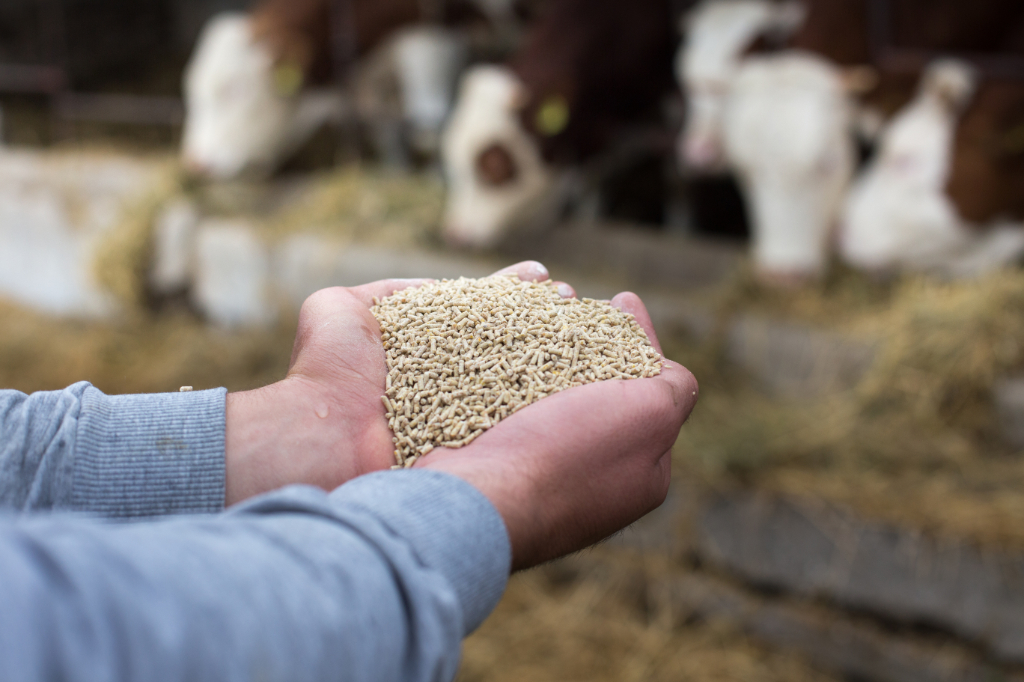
{"points": [[496, 177], [718, 33], [240, 105], [787, 132]]}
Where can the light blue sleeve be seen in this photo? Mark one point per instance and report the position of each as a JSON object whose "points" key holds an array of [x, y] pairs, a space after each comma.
{"points": [[379, 580], [117, 456]]}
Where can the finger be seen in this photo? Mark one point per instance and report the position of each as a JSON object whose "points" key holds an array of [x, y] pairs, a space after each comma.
{"points": [[385, 287], [681, 382], [628, 302], [565, 290], [528, 271]]}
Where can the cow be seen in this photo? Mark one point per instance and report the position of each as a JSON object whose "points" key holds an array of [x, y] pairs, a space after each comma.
{"points": [[982, 187], [588, 70], [260, 83], [786, 133], [781, 121], [900, 214]]}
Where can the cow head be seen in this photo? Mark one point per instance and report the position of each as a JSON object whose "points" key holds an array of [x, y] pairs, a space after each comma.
{"points": [[245, 108], [496, 177], [718, 33], [787, 132]]}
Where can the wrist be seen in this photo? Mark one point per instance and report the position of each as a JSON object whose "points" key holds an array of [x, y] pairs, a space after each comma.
{"points": [[522, 515], [277, 436]]}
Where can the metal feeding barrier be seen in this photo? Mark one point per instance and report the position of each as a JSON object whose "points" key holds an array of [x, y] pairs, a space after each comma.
{"points": [[50, 77], [46, 74]]}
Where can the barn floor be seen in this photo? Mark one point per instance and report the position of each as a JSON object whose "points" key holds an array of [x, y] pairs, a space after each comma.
{"points": [[874, 403]]}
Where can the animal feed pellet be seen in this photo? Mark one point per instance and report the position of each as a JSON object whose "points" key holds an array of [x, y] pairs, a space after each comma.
{"points": [[464, 354]]}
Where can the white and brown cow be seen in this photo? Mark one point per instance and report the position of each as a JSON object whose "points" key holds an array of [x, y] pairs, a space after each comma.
{"points": [[260, 83], [765, 131], [588, 70], [781, 122], [899, 214]]}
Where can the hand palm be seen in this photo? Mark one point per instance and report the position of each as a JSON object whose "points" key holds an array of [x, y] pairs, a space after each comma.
{"points": [[325, 423]]}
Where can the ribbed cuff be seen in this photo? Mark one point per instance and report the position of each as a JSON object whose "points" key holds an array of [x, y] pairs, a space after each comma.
{"points": [[451, 526], [150, 455]]}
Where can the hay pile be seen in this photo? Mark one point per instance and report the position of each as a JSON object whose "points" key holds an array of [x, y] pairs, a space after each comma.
{"points": [[361, 204], [352, 204], [560, 625], [138, 355], [122, 260], [917, 442], [355, 203]]}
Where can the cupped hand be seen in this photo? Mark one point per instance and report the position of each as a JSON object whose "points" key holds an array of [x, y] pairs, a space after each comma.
{"points": [[324, 424], [581, 464]]}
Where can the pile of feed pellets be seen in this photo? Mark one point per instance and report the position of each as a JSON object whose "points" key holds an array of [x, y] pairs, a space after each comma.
{"points": [[464, 354]]}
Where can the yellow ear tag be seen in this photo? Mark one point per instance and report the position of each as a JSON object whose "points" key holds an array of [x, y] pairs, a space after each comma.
{"points": [[288, 78], [552, 116]]}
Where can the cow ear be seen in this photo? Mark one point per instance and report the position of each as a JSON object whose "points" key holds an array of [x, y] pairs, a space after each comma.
{"points": [[952, 80], [859, 80]]}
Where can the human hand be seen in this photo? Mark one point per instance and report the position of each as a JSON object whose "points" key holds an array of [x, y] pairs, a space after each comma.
{"points": [[581, 464], [324, 424]]}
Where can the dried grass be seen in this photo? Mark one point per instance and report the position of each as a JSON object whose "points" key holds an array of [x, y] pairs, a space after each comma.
{"points": [[916, 442], [352, 204], [122, 261], [596, 625], [141, 354]]}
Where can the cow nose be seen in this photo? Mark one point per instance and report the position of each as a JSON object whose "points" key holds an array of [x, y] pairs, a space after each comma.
{"points": [[701, 153]]}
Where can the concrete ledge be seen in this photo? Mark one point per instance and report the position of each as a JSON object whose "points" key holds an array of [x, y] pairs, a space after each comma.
{"points": [[849, 646], [640, 257], [847, 594], [1008, 396], [897, 574], [796, 360]]}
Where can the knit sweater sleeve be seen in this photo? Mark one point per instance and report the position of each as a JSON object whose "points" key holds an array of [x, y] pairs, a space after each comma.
{"points": [[123, 457], [379, 580]]}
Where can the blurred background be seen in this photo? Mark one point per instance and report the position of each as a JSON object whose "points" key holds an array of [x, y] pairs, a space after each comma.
{"points": [[820, 201]]}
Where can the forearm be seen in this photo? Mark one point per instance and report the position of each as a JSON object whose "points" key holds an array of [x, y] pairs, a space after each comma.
{"points": [[116, 456], [379, 580]]}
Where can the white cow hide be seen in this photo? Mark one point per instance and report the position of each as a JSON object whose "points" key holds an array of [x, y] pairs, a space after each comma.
{"points": [[241, 117], [717, 33], [898, 215], [478, 213], [786, 130]]}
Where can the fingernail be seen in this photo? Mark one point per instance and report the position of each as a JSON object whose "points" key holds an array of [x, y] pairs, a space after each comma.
{"points": [[564, 290], [536, 269]]}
